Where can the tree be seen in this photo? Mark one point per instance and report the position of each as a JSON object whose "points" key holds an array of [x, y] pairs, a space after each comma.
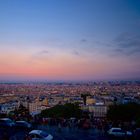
{"points": [[124, 112], [84, 96], [62, 111], [21, 111], [115, 100]]}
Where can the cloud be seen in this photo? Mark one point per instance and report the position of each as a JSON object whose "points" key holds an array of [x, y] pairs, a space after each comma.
{"points": [[83, 40], [127, 44], [76, 53], [44, 52], [40, 55]]}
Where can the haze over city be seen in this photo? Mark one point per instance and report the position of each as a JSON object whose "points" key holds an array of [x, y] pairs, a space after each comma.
{"points": [[69, 40]]}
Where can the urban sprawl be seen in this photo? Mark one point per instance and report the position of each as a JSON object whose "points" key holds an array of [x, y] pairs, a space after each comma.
{"points": [[41, 96]]}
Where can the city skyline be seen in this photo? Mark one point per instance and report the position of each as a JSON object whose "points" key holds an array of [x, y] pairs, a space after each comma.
{"points": [[69, 40]]}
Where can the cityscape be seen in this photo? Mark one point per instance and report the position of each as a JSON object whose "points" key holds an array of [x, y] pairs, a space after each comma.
{"points": [[69, 70], [39, 96]]}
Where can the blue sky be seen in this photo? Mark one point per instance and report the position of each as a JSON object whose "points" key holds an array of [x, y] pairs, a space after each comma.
{"points": [[74, 33]]}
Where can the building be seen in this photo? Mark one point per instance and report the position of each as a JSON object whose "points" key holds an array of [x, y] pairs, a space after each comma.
{"points": [[97, 110]]}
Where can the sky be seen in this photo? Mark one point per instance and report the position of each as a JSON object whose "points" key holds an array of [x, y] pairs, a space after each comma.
{"points": [[69, 39]]}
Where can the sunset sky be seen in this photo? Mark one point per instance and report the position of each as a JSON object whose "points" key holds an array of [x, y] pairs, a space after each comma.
{"points": [[69, 39]]}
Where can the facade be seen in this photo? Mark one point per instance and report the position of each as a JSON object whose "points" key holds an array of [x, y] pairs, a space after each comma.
{"points": [[8, 107], [97, 111]]}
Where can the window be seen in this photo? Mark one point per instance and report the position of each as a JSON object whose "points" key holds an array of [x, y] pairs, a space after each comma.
{"points": [[32, 136], [117, 130], [38, 136], [44, 134]]}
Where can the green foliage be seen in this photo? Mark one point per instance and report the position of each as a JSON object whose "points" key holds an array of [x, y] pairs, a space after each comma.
{"points": [[138, 122], [84, 96], [22, 111], [124, 112], [65, 111], [3, 115]]}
